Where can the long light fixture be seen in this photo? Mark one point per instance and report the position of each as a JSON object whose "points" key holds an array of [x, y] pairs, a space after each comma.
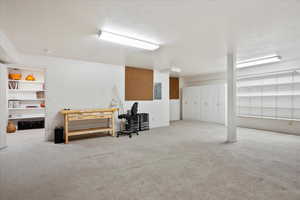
{"points": [[175, 69], [259, 61], [126, 40]]}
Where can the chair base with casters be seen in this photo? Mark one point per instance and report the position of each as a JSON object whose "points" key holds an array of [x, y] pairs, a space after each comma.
{"points": [[129, 133], [131, 127]]}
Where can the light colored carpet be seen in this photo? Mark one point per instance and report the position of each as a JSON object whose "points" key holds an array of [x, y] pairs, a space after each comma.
{"points": [[186, 161]]}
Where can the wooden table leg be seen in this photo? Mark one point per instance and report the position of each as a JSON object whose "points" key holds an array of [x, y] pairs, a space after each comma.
{"points": [[108, 125], [113, 125], [66, 129]]}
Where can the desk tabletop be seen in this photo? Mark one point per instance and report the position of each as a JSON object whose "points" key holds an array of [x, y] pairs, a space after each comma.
{"points": [[64, 112]]}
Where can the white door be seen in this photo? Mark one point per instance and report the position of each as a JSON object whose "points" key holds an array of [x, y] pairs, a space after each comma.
{"points": [[213, 103], [187, 103], [196, 103], [191, 103], [204, 103]]}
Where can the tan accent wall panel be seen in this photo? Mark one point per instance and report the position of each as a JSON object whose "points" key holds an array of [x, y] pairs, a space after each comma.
{"points": [[138, 84], [174, 88]]}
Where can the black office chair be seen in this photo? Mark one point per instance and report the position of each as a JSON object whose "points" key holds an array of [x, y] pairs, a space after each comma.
{"points": [[132, 122]]}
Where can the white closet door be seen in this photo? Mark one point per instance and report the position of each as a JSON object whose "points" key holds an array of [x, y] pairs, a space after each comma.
{"points": [[213, 103], [204, 103], [185, 104], [191, 103], [188, 103], [196, 103], [199, 104]]}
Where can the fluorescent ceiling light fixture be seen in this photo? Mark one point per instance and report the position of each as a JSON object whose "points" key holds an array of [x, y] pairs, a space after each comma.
{"points": [[127, 41], [175, 69], [259, 61]]}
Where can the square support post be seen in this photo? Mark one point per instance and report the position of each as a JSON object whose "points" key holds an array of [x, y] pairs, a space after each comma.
{"points": [[231, 97]]}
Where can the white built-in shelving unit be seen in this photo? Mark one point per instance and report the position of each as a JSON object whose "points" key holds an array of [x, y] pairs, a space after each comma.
{"points": [[26, 99], [272, 95]]}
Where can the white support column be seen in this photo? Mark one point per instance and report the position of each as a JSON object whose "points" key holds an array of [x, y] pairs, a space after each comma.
{"points": [[3, 106], [231, 97]]}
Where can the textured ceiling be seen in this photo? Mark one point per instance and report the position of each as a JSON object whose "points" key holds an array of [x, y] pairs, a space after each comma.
{"points": [[193, 33]]}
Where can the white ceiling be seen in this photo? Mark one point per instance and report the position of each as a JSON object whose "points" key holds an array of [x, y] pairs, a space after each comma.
{"points": [[193, 33]]}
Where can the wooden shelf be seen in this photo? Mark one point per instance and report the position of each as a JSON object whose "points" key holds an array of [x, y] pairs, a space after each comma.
{"points": [[88, 117], [90, 130], [105, 110]]}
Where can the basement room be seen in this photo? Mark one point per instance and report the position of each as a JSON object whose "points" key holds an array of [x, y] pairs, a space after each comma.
{"points": [[149, 100]]}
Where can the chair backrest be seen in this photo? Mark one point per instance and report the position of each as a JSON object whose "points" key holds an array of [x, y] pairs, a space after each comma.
{"points": [[134, 109]]}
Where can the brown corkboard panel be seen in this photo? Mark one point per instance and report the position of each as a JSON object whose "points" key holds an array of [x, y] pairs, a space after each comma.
{"points": [[138, 84], [174, 88]]}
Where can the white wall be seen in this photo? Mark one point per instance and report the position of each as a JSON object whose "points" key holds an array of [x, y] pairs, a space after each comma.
{"points": [[174, 109], [8, 52], [80, 85], [204, 79], [283, 126], [3, 106], [77, 85], [158, 109]]}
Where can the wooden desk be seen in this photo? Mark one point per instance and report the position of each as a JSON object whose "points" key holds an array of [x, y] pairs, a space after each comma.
{"points": [[92, 114]]}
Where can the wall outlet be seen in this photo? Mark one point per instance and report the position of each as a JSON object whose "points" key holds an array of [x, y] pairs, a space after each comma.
{"points": [[291, 123]]}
